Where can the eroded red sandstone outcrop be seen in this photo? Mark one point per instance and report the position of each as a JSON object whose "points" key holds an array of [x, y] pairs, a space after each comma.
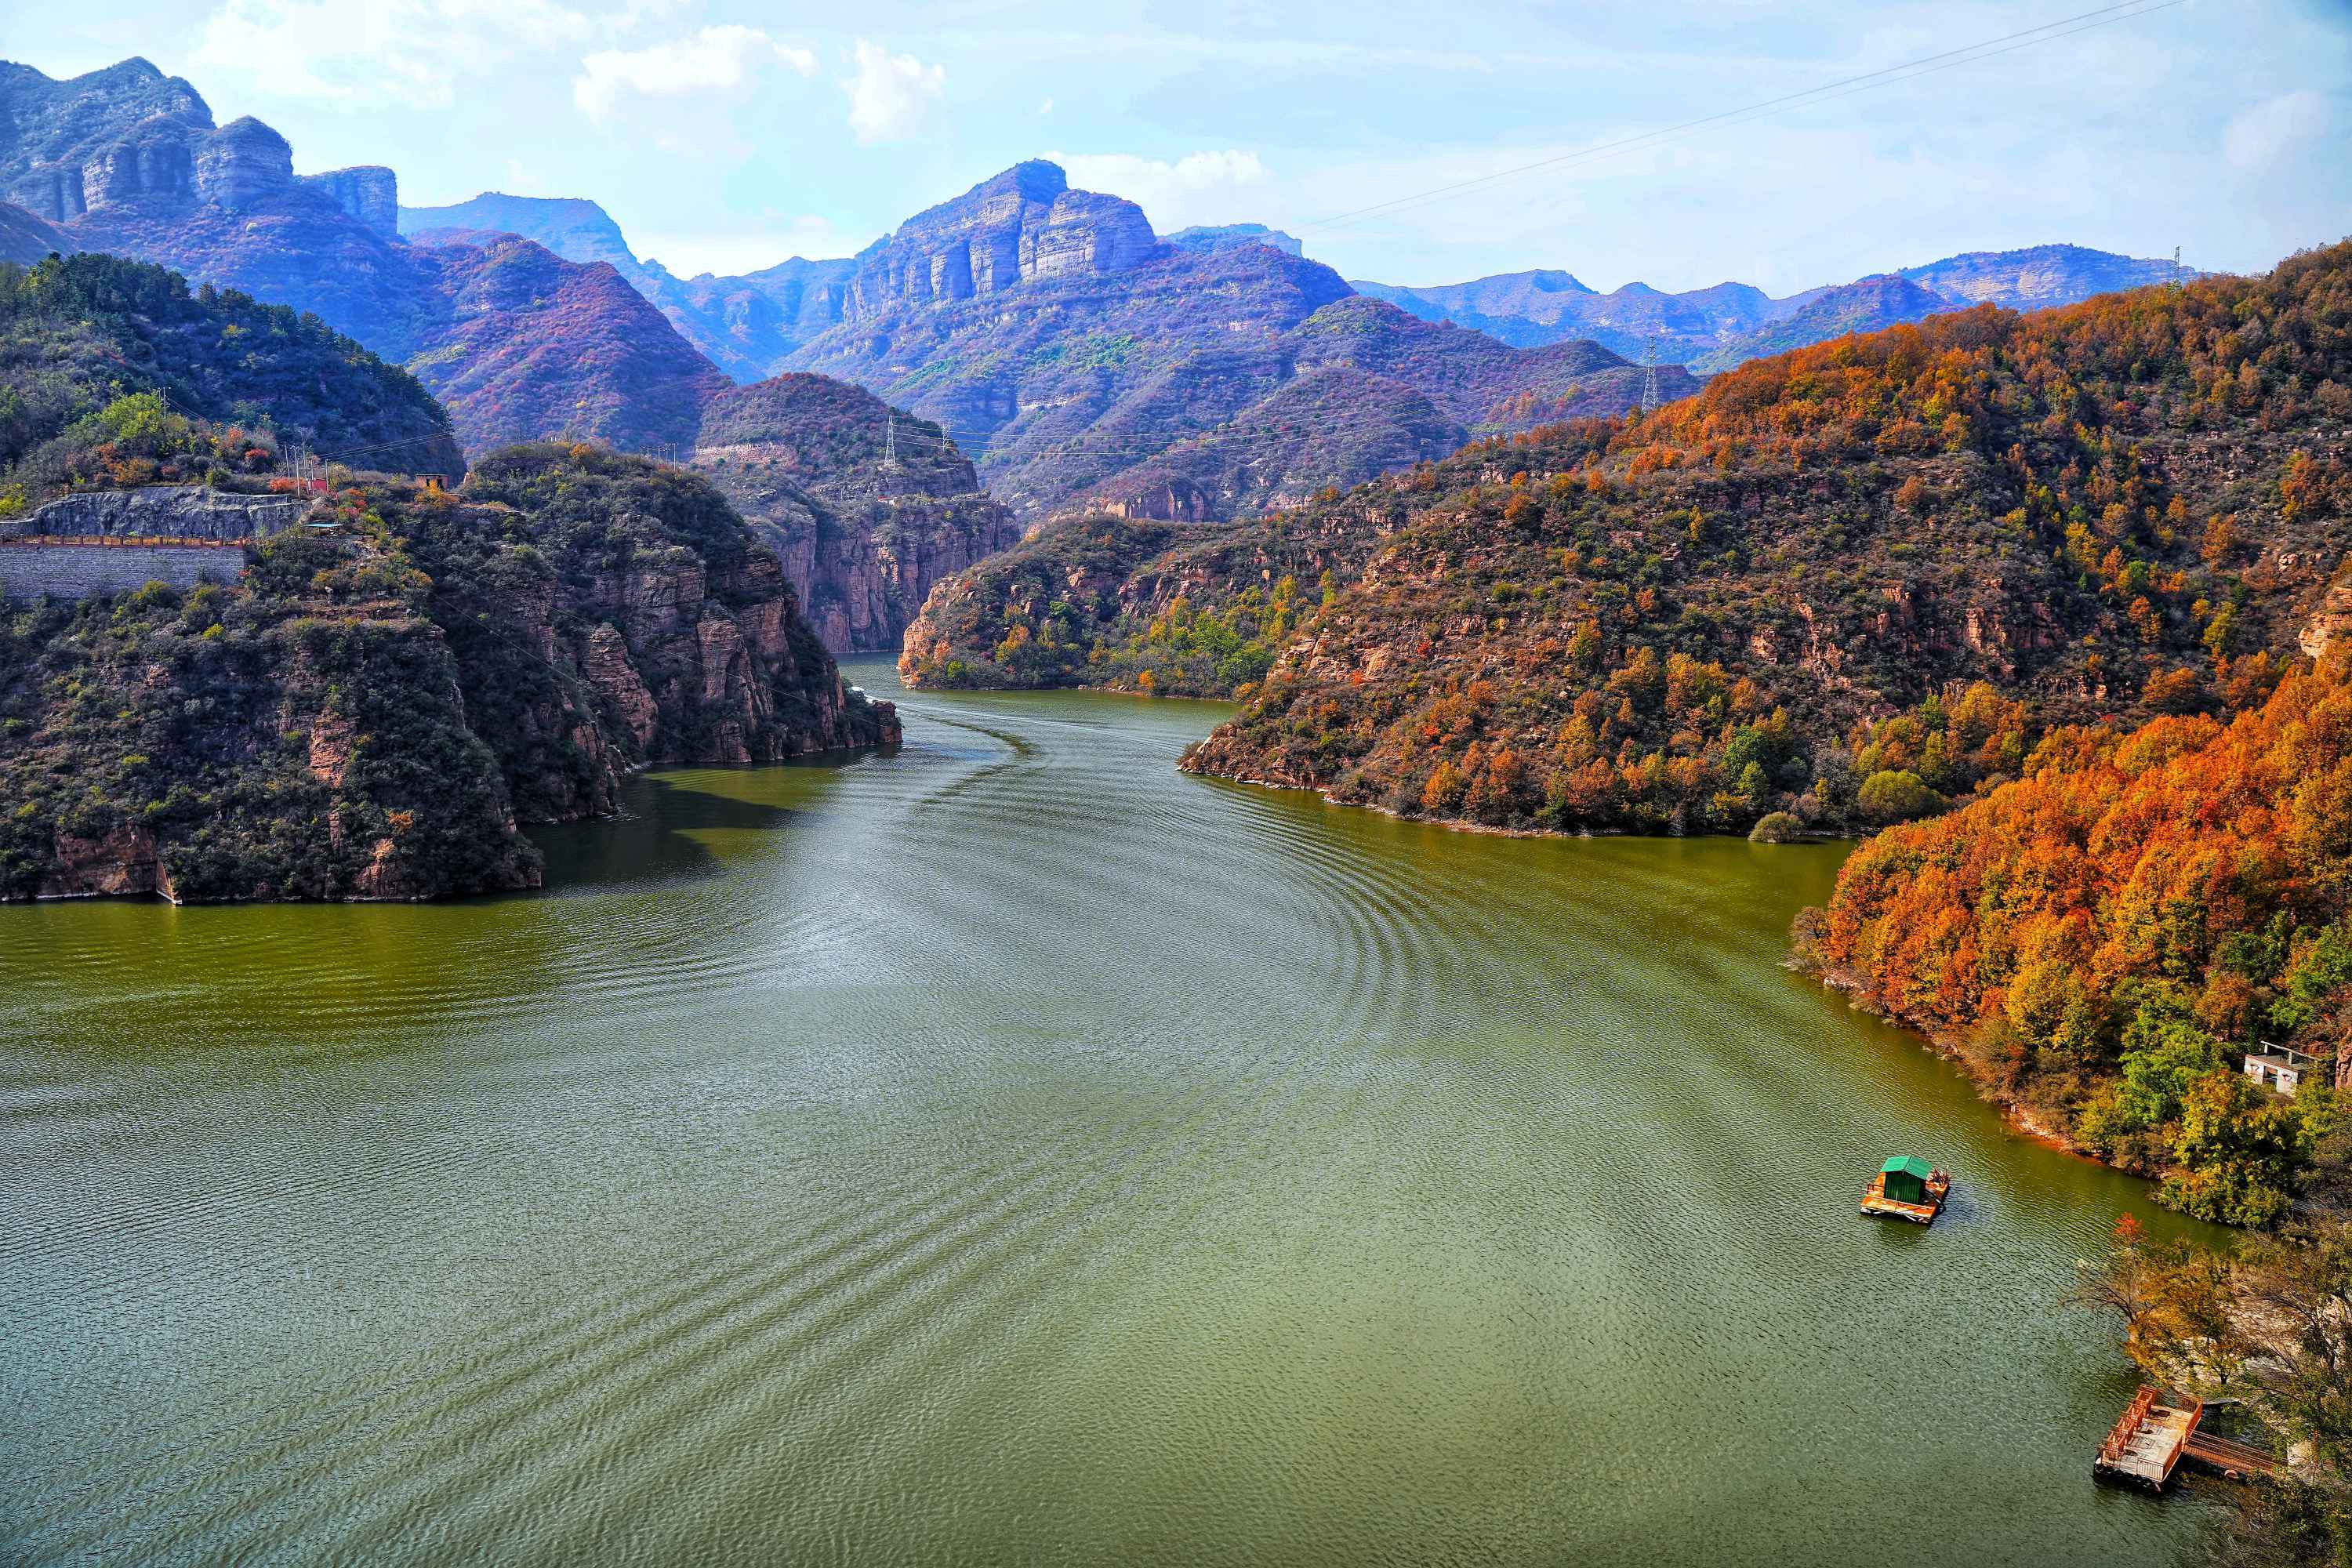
{"points": [[866, 508]]}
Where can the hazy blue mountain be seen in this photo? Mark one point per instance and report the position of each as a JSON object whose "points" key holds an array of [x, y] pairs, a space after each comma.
{"points": [[1884, 300], [1220, 236], [1717, 327], [2042, 276], [575, 230]]}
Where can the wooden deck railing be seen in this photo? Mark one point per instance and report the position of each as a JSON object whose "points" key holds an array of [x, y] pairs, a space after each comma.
{"points": [[2126, 1425]]}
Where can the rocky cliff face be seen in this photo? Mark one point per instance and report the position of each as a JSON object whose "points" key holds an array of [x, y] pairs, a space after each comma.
{"points": [[129, 134], [669, 609], [369, 193], [113, 133], [866, 507], [1025, 223], [241, 164]]}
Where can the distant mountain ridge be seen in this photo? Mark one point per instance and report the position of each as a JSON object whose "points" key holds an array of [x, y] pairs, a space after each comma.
{"points": [[1085, 361], [1223, 235], [1714, 328], [1055, 336], [1105, 394], [1079, 357]]}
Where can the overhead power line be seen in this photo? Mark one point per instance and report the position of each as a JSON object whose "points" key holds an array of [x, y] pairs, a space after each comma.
{"points": [[1885, 76]]}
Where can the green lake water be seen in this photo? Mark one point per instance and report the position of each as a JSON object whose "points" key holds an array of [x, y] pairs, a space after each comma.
{"points": [[1012, 1151]]}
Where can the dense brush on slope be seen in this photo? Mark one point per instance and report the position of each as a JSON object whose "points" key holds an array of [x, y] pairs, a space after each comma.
{"points": [[1847, 582], [533, 346], [1183, 610], [78, 332]]}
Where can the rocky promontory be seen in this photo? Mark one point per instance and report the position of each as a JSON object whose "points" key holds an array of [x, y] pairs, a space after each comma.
{"points": [[372, 711]]}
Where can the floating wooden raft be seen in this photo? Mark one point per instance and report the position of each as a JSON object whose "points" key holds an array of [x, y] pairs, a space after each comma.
{"points": [[1933, 1189]]}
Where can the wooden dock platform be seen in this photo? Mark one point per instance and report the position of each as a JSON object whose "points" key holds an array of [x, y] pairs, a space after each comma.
{"points": [[2144, 1446], [2238, 1462], [2152, 1440]]}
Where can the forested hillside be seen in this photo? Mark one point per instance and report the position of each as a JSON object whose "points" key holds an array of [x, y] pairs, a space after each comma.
{"points": [[1846, 584], [80, 332], [2095, 936]]}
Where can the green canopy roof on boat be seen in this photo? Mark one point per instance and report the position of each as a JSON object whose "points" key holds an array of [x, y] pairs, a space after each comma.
{"points": [[1908, 1165]]}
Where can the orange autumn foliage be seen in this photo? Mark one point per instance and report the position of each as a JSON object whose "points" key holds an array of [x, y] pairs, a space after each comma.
{"points": [[2095, 933], [2116, 857]]}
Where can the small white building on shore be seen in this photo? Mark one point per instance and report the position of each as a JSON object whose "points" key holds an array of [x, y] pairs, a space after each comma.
{"points": [[2279, 1067]]}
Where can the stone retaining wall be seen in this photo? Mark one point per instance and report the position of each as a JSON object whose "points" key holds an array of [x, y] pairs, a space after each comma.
{"points": [[174, 512], [76, 570]]}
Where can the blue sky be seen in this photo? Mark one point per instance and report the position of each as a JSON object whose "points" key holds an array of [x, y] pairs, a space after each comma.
{"points": [[725, 136]]}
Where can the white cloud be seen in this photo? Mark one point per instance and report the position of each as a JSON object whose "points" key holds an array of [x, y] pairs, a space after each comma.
{"points": [[1199, 187], [891, 95], [2259, 136], [397, 51], [712, 59]]}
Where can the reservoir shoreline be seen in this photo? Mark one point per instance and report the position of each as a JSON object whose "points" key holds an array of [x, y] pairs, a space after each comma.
{"points": [[1174, 1173]]}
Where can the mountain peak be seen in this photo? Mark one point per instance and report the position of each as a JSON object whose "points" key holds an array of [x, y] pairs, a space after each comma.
{"points": [[1033, 182], [1037, 180], [133, 67], [1020, 224], [1551, 281]]}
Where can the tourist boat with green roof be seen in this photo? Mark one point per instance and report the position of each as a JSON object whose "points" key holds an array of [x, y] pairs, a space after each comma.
{"points": [[1907, 1187]]}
